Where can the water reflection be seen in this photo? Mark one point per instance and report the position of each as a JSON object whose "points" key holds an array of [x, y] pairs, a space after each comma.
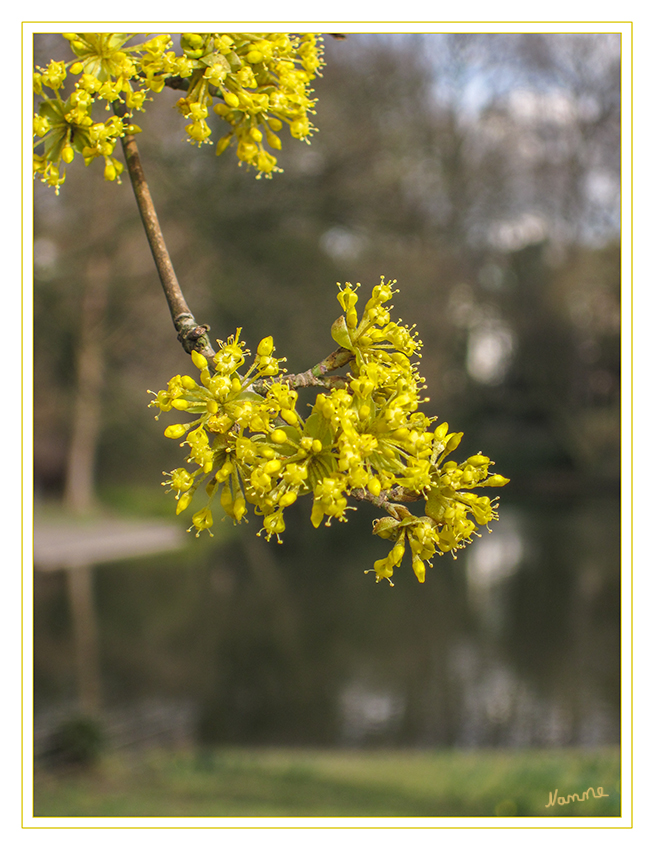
{"points": [[366, 712], [490, 348], [516, 643], [500, 709], [489, 563]]}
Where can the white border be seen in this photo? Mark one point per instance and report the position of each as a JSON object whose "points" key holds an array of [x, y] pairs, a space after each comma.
{"points": [[416, 830]]}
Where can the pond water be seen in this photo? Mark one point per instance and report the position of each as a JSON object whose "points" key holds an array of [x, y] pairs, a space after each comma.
{"points": [[515, 643]]}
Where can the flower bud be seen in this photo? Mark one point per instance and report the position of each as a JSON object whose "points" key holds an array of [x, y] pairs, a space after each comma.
{"points": [[239, 508], [495, 481], [317, 514], [265, 347], [418, 568], [441, 431], [199, 359], [453, 441], [223, 144], [289, 416], [274, 141], [183, 503], [287, 499], [478, 460], [173, 432], [374, 486]]}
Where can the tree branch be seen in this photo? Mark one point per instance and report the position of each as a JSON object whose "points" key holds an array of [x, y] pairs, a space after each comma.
{"points": [[184, 83], [316, 376], [332, 362], [383, 501], [192, 335]]}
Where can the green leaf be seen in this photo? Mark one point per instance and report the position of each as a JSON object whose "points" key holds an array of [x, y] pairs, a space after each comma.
{"points": [[452, 442], [341, 334], [318, 428], [54, 144], [319, 467], [53, 110], [248, 395], [435, 505], [386, 527]]}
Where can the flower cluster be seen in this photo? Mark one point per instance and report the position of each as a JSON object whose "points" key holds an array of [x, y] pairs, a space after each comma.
{"points": [[262, 82], [366, 440], [259, 82]]}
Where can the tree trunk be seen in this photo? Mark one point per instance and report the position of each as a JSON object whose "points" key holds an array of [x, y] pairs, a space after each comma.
{"points": [[79, 493]]}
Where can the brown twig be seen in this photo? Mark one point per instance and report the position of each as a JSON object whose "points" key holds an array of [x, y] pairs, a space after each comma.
{"points": [[192, 335], [332, 362], [386, 500], [316, 376], [184, 84]]}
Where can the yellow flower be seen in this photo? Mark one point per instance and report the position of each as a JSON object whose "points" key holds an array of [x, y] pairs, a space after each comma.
{"points": [[262, 80], [202, 521], [370, 435]]}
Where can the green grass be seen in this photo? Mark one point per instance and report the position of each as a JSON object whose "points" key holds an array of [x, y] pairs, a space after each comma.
{"points": [[307, 783]]}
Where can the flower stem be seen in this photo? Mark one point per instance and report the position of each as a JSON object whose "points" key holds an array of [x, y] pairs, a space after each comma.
{"points": [[192, 336], [333, 361], [383, 501], [316, 376]]}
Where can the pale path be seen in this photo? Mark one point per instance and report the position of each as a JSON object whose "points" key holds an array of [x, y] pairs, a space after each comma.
{"points": [[68, 544]]}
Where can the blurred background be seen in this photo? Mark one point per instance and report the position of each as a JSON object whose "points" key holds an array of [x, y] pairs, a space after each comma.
{"points": [[482, 172]]}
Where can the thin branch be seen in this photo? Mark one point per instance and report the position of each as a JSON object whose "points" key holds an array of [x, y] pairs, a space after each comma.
{"points": [[303, 379], [383, 501], [306, 379], [184, 83], [401, 494], [316, 376], [332, 362], [192, 335]]}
